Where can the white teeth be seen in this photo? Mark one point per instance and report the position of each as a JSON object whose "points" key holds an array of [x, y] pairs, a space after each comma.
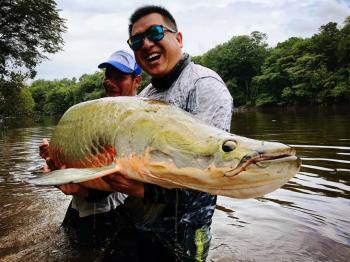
{"points": [[153, 56]]}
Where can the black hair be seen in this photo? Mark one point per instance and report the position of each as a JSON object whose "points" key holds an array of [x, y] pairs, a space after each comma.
{"points": [[149, 9]]}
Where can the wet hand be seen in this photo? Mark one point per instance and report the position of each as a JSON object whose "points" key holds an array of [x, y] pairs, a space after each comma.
{"points": [[44, 153], [120, 183], [74, 189], [44, 149]]}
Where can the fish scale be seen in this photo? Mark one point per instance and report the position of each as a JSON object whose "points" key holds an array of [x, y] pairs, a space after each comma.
{"points": [[153, 142]]}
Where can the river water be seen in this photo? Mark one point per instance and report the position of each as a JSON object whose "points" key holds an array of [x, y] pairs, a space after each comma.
{"points": [[308, 219]]}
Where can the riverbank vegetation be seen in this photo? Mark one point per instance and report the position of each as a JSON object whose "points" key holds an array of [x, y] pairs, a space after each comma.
{"points": [[298, 71], [305, 71], [29, 29]]}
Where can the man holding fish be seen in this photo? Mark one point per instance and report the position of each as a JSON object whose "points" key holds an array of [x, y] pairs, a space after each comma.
{"points": [[174, 223], [180, 226], [161, 155], [94, 216]]}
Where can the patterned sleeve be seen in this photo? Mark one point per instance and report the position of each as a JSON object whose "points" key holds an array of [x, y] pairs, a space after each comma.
{"points": [[211, 102]]}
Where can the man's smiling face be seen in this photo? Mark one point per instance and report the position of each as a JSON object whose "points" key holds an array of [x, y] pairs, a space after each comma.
{"points": [[118, 83], [157, 58]]}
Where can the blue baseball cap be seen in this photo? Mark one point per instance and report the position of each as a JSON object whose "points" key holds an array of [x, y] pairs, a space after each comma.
{"points": [[122, 61]]}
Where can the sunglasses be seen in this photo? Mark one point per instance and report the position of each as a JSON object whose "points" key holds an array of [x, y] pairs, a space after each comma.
{"points": [[154, 33]]}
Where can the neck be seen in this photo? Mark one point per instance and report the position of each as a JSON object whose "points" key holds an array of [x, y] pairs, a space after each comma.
{"points": [[165, 82]]}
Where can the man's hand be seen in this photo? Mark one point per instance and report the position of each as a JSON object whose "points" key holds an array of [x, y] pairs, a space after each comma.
{"points": [[74, 189], [120, 183], [67, 189], [44, 149], [44, 153]]}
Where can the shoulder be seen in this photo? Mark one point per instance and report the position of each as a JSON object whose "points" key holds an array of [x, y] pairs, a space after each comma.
{"points": [[146, 91], [195, 76], [208, 83], [200, 72], [204, 79]]}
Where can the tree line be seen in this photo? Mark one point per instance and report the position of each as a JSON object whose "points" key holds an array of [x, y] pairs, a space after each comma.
{"points": [[298, 71], [54, 97]]}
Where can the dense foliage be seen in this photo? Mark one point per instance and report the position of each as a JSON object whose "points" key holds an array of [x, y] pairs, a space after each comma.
{"points": [[313, 70], [55, 97], [308, 71], [15, 97], [237, 62], [28, 29]]}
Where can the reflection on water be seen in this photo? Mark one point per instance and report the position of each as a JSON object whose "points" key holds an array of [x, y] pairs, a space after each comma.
{"points": [[307, 220]]}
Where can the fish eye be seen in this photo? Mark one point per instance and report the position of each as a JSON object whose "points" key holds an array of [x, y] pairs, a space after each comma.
{"points": [[229, 145]]}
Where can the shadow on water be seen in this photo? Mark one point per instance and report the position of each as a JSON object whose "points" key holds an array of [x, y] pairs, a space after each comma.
{"points": [[306, 220]]}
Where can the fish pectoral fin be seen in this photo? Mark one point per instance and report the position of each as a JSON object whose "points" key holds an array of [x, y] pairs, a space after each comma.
{"points": [[73, 175]]}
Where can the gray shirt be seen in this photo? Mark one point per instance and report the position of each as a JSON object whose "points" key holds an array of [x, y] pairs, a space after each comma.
{"points": [[200, 91], [203, 93]]}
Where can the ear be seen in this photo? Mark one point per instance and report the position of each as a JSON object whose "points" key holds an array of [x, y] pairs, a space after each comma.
{"points": [[179, 39], [137, 80]]}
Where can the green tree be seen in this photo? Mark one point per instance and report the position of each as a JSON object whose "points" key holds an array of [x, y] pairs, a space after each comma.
{"points": [[39, 90], [343, 48], [52, 97], [325, 44], [28, 30], [15, 98], [89, 87], [237, 62], [290, 74], [57, 101]]}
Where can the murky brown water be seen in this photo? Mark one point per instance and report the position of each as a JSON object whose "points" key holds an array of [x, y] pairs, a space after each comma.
{"points": [[307, 220]]}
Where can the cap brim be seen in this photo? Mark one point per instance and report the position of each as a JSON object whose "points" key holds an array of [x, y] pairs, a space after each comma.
{"points": [[116, 65]]}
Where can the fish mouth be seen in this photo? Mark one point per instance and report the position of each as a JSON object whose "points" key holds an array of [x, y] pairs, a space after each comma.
{"points": [[258, 160]]}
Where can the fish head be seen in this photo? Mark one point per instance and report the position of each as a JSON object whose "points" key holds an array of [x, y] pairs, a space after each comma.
{"points": [[183, 152], [254, 167], [227, 164]]}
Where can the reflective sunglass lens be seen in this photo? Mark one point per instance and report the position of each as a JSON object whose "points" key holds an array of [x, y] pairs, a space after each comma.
{"points": [[154, 33], [135, 42]]}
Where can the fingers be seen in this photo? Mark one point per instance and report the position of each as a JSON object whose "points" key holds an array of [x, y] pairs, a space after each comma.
{"points": [[116, 180], [67, 189], [50, 164], [44, 148], [46, 168], [74, 189], [125, 185], [44, 153], [45, 141]]}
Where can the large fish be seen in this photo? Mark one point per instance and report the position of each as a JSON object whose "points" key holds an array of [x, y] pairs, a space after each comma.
{"points": [[157, 143]]}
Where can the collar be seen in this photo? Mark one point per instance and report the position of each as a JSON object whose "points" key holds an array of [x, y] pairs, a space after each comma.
{"points": [[165, 82]]}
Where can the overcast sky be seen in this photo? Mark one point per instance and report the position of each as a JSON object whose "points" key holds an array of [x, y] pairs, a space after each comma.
{"points": [[95, 29]]}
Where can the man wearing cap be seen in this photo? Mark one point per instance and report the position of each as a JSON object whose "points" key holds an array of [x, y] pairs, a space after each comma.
{"points": [[96, 216], [122, 75]]}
